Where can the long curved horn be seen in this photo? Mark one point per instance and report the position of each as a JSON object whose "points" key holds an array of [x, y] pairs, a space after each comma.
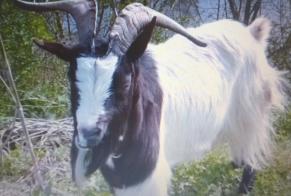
{"points": [[131, 21], [83, 11]]}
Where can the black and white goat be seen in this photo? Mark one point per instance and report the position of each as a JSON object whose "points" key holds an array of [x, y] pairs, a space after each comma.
{"points": [[141, 109]]}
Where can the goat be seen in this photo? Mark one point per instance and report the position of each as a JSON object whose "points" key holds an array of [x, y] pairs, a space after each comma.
{"points": [[140, 109]]}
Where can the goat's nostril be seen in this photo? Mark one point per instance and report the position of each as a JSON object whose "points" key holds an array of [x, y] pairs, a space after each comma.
{"points": [[89, 133], [98, 131]]}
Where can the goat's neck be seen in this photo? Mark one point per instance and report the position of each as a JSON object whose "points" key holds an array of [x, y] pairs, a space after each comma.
{"points": [[137, 146]]}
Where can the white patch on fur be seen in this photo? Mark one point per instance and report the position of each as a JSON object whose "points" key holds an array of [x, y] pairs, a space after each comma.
{"points": [[110, 162], [94, 77], [121, 138], [80, 168], [226, 88], [81, 140]]}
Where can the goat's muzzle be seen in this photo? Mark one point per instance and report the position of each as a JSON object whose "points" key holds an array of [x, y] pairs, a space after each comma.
{"points": [[90, 137]]}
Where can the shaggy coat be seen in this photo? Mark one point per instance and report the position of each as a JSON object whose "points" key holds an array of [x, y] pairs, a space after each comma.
{"points": [[174, 103]]}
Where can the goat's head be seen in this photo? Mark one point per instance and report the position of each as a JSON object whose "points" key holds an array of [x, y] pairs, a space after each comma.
{"points": [[107, 83], [103, 79], [110, 88]]}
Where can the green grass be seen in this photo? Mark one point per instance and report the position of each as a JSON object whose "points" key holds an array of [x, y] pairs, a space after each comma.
{"points": [[276, 180], [214, 175]]}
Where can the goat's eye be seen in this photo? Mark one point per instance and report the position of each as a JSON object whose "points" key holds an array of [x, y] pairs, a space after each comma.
{"points": [[120, 95], [126, 86]]}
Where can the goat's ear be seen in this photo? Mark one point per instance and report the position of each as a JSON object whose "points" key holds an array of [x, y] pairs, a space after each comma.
{"points": [[139, 45], [63, 52]]}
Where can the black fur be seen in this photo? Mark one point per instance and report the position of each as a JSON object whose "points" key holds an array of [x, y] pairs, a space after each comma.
{"points": [[137, 48], [70, 53], [140, 148], [248, 180]]}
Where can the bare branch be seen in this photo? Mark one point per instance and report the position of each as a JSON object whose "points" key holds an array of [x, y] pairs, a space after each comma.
{"points": [[247, 12], [225, 9], [37, 174], [69, 25], [233, 9], [114, 4], [218, 10], [255, 10], [100, 18], [8, 89]]}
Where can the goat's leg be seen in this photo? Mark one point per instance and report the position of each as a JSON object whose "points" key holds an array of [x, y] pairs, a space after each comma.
{"points": [[247, 180]]}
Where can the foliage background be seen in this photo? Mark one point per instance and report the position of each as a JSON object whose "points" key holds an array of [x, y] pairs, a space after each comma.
{"points": [[43, 87]]}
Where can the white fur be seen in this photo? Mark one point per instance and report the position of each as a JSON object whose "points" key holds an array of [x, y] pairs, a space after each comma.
{"points": [[221, 89], [94, 77], [260, 29], [224, 92], [80, 168], [110, 162]]}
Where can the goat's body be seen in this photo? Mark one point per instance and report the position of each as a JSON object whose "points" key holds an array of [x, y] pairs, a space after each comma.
{"points": [[224, 92], [226, 88], [139, 111]]}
